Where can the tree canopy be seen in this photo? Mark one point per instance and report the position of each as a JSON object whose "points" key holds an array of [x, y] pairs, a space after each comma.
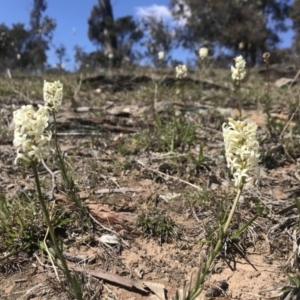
{"points": [[247, 27], [228, 23]]}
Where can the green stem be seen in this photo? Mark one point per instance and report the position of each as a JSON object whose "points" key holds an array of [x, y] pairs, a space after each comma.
{"points": [[64, 171], [240, 100], [60, 158], [223, 233], [73, 282], [236, 200], [55, 130], [268, 102]]}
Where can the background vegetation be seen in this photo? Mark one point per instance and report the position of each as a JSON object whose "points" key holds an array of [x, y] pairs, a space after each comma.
{"points": [[246, 27]]}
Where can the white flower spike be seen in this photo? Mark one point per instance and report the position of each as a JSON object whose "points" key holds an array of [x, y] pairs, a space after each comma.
{"points": [[238, 72], [203, 52], [161, 55], [53, 93], [181, 71], [241, 150], [30, 137]]}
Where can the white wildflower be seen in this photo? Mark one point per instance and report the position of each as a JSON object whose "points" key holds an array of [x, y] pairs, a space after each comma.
{"points": [[161, 55], [238, 72], [203, 52], [110, 55], [181, 71], [18, 56], [53, 93], [241, 149], [30, 137]]}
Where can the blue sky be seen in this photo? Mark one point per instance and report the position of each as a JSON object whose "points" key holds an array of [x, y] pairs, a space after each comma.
{"points": [[71, 17]]}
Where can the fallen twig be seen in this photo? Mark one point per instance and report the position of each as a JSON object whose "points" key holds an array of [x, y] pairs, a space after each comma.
{"points": [[166, 175], [118, 190], [114, 278]]}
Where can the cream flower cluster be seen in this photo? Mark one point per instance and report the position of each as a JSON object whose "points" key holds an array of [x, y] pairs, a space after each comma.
{"points": [[181, 71], [238, 72], [241, 149], [53, 93], [203, 52], [161, 55], [30, 137]]}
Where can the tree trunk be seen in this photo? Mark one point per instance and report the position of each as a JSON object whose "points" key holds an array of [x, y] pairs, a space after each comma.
{"points": [[110, 44]]}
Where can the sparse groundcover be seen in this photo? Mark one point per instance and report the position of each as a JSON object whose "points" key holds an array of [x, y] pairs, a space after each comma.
{"points": [[139, 184]]}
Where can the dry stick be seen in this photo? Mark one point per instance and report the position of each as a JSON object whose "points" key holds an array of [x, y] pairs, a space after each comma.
{"points": [[20, 280], [107, 229], [111, 292], [29, 292], [43, 265], [78, 133], [173, 177], [50, 255], [272, 290], [119, 190], [9, 255], [114, 278], [297, 75]]}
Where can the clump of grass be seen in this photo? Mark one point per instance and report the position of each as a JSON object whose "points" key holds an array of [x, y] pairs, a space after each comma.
{"points": [[156, 224], [130, 145], [175, 134], [21, 224], [199, 160], [170, 134], [292, 291], [4, 131]]}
